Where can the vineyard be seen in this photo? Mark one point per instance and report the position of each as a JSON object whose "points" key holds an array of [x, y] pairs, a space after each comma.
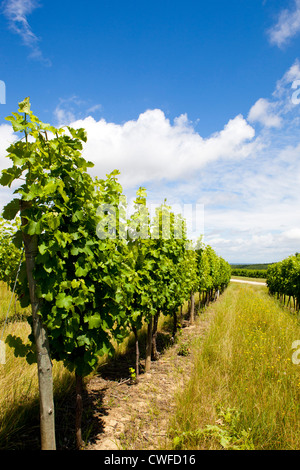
{"points": [[88, 288], [90, 275]]}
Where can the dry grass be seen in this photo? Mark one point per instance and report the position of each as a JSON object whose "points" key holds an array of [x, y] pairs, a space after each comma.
{"points": [[19, 398]]}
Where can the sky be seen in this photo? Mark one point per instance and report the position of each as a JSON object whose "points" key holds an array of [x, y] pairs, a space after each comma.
{"points": [[197, 101]]}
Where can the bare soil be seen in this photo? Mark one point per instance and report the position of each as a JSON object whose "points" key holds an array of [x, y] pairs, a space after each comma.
{"points": [[136, 416]]}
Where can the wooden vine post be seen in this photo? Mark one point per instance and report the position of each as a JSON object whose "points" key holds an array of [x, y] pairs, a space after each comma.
{"points": [[149, 346], [79, 410], [155, 354], [192, 308], [44, 365], [137, 354]]}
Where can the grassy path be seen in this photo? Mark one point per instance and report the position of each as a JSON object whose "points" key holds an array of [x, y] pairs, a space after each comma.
{"points": [[244, 392], [248, 281]]}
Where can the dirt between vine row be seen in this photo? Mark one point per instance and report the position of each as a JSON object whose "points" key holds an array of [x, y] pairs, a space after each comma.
{"points": [[136, 416]]}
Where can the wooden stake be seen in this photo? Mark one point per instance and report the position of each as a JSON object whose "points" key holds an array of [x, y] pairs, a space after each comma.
{"points": [[154, 353], [137, 354], [79, 409], [192, 308], [148, 347]]}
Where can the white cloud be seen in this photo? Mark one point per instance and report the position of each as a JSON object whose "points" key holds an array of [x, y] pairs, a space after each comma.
{"points": [[292, 234], [151, 148], [263, 112], [71, 109], [94, 108], [63, 113], [17, 11], [287, 27], [293, 73], [7, 137]]}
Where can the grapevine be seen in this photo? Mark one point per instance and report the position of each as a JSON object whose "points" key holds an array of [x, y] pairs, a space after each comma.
{"points": [[93, 276]]}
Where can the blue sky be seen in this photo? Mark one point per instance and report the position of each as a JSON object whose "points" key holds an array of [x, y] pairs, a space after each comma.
{"points": [[193, 100]]}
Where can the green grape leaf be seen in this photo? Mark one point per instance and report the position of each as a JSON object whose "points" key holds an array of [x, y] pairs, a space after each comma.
{"points": [[63, 301]]}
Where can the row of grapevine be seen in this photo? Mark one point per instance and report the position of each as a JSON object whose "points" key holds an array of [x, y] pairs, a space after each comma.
{"points": [[283, 280], [90, 274], [214, 273], [9, 253]]}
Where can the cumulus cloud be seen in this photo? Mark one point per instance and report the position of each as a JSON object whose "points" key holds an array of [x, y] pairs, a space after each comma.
{"points": [[17, 11], [152, 148], [287, 27]]}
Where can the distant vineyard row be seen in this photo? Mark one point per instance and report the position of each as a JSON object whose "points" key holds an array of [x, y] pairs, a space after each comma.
{"points": [[252, 267], [283, 281]]}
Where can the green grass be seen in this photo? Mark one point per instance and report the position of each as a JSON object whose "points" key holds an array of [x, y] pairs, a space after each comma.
{"points": [[245, 390]]}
